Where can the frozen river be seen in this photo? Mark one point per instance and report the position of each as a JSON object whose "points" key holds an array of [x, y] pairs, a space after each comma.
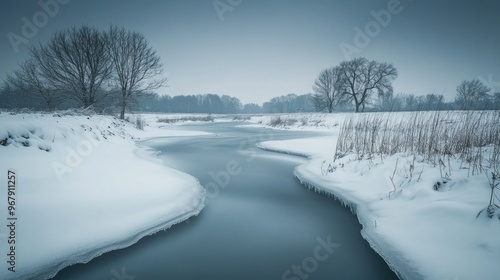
{"points": [[259, 222]]}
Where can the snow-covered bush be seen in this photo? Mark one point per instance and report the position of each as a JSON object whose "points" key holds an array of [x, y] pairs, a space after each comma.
{"points": [[139, 123]]}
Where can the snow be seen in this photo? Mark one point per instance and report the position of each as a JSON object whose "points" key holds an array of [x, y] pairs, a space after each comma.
{"points": [[85, 188], [420, 232], [177, 119], [302, 147], [298, 121]]}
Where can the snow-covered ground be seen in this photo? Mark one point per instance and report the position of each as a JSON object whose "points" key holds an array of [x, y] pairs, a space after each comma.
{"points": [[422, 233], [82, 187], [85, 187], [298, 121], [162, 119]]}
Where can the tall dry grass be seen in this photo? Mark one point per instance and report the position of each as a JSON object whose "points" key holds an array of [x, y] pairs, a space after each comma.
{"points": [[473, 137]]}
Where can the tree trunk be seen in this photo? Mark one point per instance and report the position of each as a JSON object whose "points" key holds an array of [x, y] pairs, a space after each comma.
{"points": [[122, 113], [122, 109], [123, 104]]}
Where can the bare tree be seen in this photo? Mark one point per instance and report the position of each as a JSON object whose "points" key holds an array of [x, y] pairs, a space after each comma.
{"points": [[29, 82], [433, 101], [471, 93], [362, 77], [328, 89], [232, 105], [496, 101], [75, 61], [137, 67], [387, 101]]}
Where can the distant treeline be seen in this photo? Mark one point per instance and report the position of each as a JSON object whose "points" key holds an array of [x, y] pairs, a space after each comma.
{"points": [[294, 103], [224, 104], [215, 104]]}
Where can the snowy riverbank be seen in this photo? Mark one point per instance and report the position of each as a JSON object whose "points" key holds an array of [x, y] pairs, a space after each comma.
{"points": [[82, 188], [427, 228]]}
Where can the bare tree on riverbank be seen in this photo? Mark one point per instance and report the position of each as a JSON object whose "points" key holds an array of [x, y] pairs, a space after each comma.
{"points": [[328, 89], [136, 66], [76, 63], [363, 77]]}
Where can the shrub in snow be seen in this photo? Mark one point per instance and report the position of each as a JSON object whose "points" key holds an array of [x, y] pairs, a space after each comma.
{"points": [[207, 118], [282, 122], [76, 112], [441, 185], [139, 123], [24, 111], [276, 121], [328, 169], [493, 208], [241, 118]]}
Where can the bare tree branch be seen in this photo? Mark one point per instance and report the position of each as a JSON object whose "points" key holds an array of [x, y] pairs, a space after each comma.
{"points": [[76, 62], [137, 67], [29, 82], [328, 89], [471, 93], [362, 77]]}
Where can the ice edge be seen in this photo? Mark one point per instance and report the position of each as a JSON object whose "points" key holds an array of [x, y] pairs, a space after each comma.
{"points": [[397, 264], [50, 273]]}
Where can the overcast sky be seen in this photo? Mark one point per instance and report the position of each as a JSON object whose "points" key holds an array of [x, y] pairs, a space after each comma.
{"points": [[258, 49]]}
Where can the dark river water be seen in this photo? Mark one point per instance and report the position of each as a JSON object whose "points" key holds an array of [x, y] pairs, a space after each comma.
{"points": [[259, 221]]}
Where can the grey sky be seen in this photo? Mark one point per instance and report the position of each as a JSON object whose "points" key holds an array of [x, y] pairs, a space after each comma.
{"points": [[261, 49]]}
